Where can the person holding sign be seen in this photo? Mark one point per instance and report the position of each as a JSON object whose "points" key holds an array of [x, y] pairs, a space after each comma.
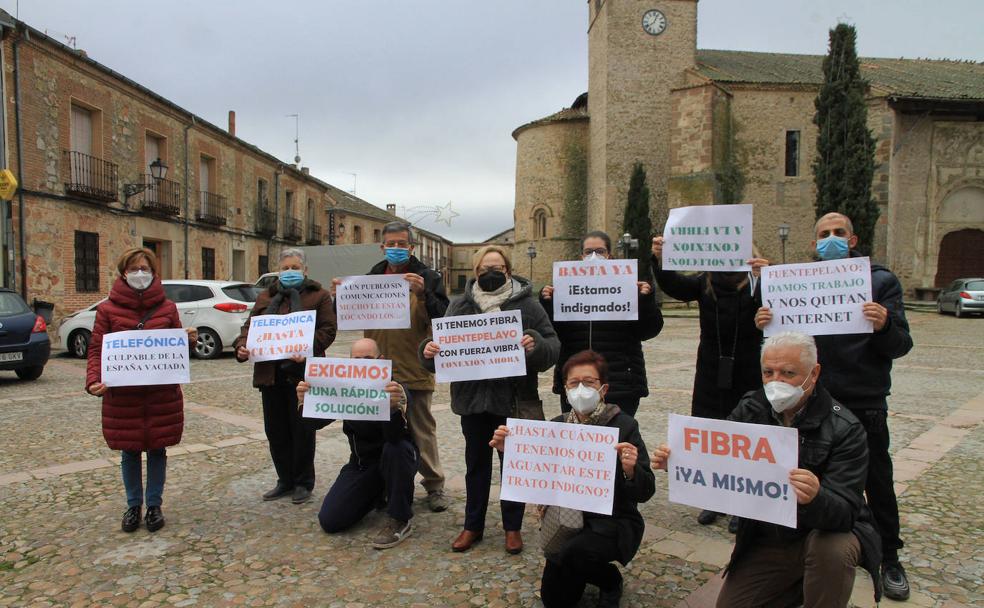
{"points": [[619, 342], [727, 353], [814, 563], [858, 372], [381, 467], [138, 419], [428, 300], [291, 438], [484, 404], [586, 557]]}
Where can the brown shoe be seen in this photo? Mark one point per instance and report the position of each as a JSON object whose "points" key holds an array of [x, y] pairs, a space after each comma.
{"points": [[514, 542], [465, 540]]}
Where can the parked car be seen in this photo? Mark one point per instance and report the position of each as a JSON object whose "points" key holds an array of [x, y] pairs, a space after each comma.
{"points": [[961, 297], [267, 279], [217, 308], [24, 343]]}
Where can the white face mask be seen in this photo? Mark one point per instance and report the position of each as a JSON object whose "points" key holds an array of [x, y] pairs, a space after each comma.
{"points": [[593, 256], [139, 279], [583, 399], [783, 396]]}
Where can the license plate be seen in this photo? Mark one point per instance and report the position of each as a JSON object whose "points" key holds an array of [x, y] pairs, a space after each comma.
{"points": [[979, 298], [12, 356]]}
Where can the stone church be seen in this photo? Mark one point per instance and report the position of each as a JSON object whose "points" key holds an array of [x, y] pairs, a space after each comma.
{"points": [[692, 116]]}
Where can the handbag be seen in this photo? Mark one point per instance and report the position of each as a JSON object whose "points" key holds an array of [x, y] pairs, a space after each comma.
{"points": [[557, 526]]}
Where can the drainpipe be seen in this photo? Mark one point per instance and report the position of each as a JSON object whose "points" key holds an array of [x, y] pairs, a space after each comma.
{"points": [[22, 240], [276, 209], [187, 185]]}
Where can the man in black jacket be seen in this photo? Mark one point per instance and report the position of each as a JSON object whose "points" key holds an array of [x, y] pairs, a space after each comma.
{"points": [[381, 467], [815, 562], [858, 373]]}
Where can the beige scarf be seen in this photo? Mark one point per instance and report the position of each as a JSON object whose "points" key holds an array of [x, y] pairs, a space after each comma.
{"points": [[492, 301]]}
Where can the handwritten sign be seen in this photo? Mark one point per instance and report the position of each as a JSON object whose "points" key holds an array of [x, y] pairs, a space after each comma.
{"points": [[561, 464], [596, 290], [479, 347], [733, 467], [379, 301], [347, 389], [708, 237], [818, 298], [274, 337], [146, 357]]}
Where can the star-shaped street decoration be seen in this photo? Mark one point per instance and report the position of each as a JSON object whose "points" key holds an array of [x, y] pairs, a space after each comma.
{"points": [[445, 214]]}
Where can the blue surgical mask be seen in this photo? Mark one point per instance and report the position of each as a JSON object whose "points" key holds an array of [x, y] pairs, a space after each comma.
{"points": [[832, 248], [291, 278], [397, 256]]}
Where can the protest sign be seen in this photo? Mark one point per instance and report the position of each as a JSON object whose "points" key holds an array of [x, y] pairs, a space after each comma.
{"points": [[274, 337], [347, 389], [596, 290], [379, 301], [819, 298], [560, 464], [479, 347], [708, 237], [146, 357], [733, 467]]}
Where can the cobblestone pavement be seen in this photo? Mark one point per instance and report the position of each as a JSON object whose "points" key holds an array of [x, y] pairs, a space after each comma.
{"points": [[61, 499]]}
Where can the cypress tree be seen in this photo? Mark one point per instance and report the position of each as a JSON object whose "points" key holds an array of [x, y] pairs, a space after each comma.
{"points": [[845, 161], [636, 220]]}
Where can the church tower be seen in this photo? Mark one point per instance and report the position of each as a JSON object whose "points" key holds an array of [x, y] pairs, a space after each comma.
{"points": [[638, 51]]}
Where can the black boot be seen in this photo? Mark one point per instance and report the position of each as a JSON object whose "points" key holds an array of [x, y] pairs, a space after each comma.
{"points": [[279, 491], [154, 519], [894, 581], [733, 524], [131, 519], [611, 597], [707, 518]]}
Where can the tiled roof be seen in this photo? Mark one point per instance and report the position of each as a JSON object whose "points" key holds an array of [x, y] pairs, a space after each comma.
{"points": [[916, 78], [353, 204], [563, 115]]}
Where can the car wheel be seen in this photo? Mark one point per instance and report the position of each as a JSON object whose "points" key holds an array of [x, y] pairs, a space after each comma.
{"points": [[209, 345], [958, 311], [939, 306], [78, 343], [29, 373]]}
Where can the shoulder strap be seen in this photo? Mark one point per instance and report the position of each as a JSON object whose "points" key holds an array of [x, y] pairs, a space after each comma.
{"points": [[146, 317]]}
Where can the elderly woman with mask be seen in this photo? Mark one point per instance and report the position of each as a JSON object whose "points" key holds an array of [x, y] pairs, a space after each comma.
{"points": [[291, 437], [485, 404], [586, 557]]}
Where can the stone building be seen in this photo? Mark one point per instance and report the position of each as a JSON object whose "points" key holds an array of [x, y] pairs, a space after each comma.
{"points": [[684, 113], [462, 255], [83, 140]]}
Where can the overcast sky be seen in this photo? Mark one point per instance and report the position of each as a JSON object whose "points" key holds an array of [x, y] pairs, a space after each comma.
{"points": [[418, 98]]}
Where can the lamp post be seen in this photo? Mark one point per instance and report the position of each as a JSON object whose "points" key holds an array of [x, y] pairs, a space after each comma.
{"points": [[626, 243], [531, 251], [158, 171], [783, 235]]}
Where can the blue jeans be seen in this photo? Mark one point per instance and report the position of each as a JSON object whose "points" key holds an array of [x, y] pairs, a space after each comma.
{"points": [[133, 478]]}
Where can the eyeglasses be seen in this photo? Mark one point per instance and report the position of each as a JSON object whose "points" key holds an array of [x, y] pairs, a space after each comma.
{"points": [[591, 382], [484, 269], [138, 269], [598, 250], [400, 244]]}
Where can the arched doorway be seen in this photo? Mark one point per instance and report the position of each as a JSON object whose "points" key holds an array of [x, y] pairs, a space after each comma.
{"points": [[960, 256]]}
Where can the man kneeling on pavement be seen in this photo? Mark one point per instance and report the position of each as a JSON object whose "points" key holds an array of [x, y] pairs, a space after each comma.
{"points": [[381, 467], [814, 563]]}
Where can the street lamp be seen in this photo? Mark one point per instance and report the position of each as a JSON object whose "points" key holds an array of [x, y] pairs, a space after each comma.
{"points": [[158, 171], [531, 251], [627, 243], [783, 235]]}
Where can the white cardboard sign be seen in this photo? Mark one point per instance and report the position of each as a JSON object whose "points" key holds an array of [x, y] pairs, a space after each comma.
{"points": [[275, 337], [708, 237], [377, 301], [347, 389], [561, 464], [146, 357], [818, 298], [479, 347], [733, 467], [596, 290]]}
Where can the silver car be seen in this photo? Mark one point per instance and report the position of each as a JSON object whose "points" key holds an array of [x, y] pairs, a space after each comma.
{"points": [[217, 308], [961, 297]]}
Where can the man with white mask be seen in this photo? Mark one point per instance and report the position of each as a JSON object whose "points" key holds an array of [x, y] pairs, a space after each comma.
{"points": [[815, 562]]}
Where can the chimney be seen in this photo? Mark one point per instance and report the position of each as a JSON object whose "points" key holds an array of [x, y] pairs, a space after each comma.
{"points": [[391, 208], [232, 123], [306, 170]]}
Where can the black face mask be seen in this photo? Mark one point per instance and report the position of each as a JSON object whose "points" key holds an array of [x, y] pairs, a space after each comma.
{"points": [[492, 280], [728, 279]]}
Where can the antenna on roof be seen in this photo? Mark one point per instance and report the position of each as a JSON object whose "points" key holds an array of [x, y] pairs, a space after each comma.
{"points": [[297, 138]]}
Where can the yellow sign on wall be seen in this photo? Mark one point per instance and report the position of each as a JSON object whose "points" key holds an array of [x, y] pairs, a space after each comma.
{"points": [[8, 184]]}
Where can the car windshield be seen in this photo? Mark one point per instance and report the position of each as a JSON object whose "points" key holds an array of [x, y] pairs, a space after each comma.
{"points": [[243, 293], [12, 304], [975, 286]]}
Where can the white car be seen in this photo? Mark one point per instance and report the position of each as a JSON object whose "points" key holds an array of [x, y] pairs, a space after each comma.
{"points": [[217, 308]]}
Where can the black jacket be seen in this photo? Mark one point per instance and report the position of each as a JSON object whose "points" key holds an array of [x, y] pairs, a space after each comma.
{"points": [[619, 342], [625, 523], [729, 309], [834, 447], [857, 368], [366, 438], [499, 395]]}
